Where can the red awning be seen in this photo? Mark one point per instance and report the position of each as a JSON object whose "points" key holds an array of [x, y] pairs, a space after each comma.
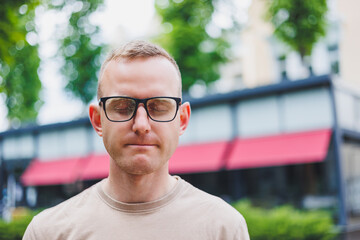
{"points": [[284, 149], [292, 148], [198, 158], [53, 172], [97, 167]]}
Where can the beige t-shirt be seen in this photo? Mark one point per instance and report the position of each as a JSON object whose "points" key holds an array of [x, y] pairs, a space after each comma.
{"points": [[184, 213]]}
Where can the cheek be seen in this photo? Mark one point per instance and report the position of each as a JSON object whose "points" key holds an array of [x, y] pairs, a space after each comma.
{"points": [[107, 139], [110, 134], [105, 129], [171, 136]]}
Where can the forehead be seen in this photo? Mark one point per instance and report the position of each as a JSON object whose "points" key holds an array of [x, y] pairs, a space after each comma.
{"points": [[154, 76]]}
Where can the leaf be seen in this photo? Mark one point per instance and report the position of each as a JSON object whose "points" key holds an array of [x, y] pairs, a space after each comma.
{"points": [[187, 35], [298, 23], [19, 63]]}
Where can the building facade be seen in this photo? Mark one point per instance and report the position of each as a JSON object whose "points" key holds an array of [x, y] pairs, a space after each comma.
{"points": [[293, 142]]}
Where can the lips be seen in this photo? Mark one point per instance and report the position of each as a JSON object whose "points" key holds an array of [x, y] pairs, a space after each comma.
{"points": [[141, 142], [141, 145], [141, 148]]}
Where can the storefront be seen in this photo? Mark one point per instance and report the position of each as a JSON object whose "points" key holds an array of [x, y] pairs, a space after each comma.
{"points": [[286, 143]]}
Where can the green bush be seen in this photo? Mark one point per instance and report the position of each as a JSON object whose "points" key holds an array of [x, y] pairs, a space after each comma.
{"points": [[15, 229], [286, 222], [281, 223]]}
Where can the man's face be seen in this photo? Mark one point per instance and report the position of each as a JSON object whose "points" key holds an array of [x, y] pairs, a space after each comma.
{"points": [[140, 145]]}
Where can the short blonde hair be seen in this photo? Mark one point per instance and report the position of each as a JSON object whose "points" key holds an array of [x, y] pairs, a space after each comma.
{"points": [[133, 50]]}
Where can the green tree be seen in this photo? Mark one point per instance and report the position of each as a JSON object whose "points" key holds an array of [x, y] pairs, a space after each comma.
{"points": [[298, 23], [19, 82], [196, 52], [77, 48]]}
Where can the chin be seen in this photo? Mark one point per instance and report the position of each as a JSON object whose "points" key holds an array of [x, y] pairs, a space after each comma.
{"points": [[139, 165]]}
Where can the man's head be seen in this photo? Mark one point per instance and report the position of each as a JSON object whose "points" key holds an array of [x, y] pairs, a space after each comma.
{"points": [[135, 50], [136, 142]]}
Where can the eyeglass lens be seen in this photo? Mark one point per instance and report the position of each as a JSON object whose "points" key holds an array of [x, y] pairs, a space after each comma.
{"points": [[123, 109]]}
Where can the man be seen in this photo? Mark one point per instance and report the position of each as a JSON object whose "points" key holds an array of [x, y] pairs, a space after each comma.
{"points": [[140, 118]]}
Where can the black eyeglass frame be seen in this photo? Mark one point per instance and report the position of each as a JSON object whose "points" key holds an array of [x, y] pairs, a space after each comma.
{"points": [[137, 102]]}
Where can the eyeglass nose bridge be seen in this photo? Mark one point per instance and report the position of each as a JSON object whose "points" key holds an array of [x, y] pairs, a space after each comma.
{"points": [[137, 103]]}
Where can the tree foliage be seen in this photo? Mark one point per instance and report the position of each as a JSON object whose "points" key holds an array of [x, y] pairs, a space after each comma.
{"points": [[79, 51], [19, 61], [298, 23], [196, 52]]}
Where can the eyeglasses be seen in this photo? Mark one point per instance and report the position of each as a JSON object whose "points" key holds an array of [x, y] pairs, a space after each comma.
{"points": [[122, 109]]}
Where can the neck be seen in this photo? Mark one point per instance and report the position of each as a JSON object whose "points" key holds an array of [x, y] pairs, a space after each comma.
{"points": [[130, 188]]}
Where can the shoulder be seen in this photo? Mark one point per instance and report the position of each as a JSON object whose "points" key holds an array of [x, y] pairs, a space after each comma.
{"points": [[60, 216], [220, 215], [69, 206], [201, 198]]}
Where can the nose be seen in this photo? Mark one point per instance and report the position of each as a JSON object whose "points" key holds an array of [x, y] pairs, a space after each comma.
{"points": [[141, 122]]}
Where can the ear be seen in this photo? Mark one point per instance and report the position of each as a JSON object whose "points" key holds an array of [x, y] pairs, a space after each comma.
{"points": [[95, 118], [185, 113]]}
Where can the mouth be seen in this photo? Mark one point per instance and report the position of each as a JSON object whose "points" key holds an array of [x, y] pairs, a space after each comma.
{"points": [[141, 148], [141, 145]]}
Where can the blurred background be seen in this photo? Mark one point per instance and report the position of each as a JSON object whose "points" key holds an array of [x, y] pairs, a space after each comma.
{"points": [[274, 88]]}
